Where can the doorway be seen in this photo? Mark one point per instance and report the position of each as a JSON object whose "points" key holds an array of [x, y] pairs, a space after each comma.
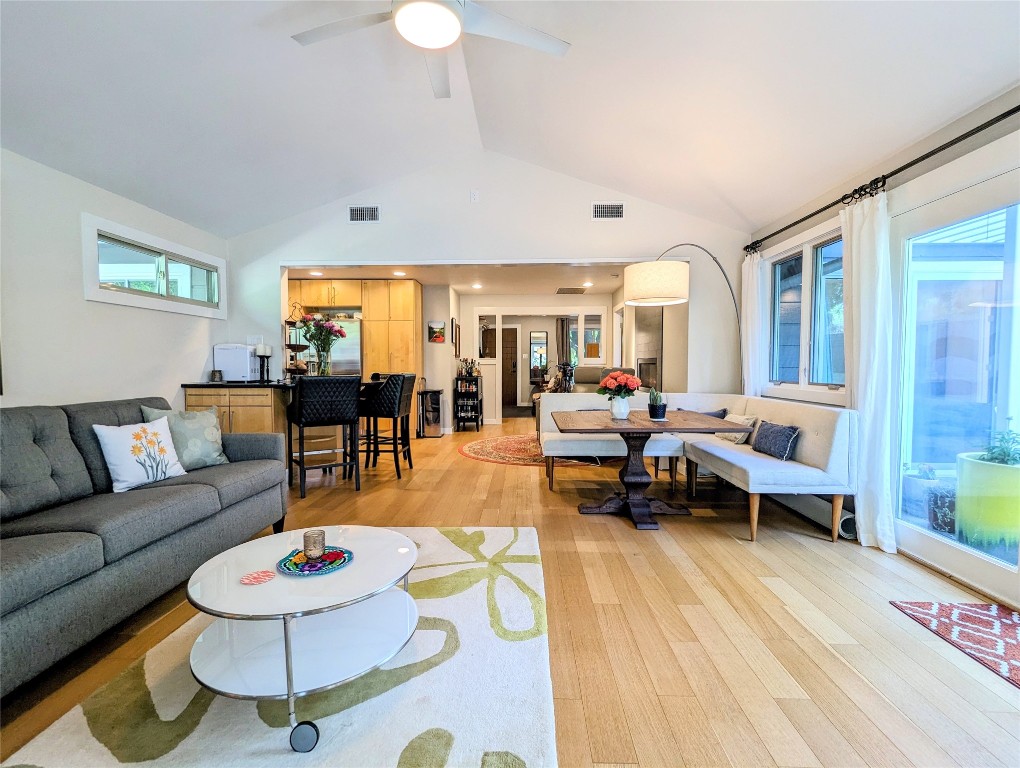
{"points": [[509, 355]]}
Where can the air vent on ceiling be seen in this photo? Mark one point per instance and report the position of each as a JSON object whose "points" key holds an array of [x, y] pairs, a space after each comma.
{"points": [[571, 290], [360, 214], [603, 210]]}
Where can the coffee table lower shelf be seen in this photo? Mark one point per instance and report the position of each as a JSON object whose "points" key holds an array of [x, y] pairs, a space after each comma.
{"points": [[300, 655]]}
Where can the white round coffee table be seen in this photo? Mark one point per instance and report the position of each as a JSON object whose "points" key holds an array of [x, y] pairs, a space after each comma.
{"points": [[247, 654]]}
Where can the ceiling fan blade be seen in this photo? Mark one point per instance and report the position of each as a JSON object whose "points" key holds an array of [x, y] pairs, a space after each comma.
{"points": [[438, 64], [341, 27], [482, 21]]}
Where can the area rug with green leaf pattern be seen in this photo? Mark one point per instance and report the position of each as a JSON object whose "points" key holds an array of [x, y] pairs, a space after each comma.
{"points": [[472, 688]]}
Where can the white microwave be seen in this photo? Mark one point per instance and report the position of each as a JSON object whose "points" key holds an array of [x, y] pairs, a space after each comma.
{"points": [[236, 361]]}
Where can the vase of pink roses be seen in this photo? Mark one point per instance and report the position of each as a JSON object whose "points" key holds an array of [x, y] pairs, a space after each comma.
{"points": [[619, 386], [321, 334]]}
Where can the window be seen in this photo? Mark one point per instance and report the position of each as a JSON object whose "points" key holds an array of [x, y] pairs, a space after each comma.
{"points": [[806, 360], [960, 388], [124, 266]]}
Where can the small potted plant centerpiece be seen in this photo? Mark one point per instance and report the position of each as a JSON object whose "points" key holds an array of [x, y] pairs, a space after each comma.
{"points": [[988, 496], [619, 386], [656, 408]]}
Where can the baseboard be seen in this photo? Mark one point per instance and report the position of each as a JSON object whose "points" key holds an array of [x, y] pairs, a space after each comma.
{"points": [[447, 430]]}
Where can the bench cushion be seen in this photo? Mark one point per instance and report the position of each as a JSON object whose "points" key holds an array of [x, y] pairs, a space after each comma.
{"points": [[33, 566], [561, 444], [758, 472], [126, 522]]}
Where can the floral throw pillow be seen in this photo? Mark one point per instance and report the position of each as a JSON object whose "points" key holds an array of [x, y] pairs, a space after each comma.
{"points": [[196, 435], [138, 454]]}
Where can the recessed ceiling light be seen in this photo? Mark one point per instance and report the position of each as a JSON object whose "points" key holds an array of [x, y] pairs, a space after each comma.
{"points": [[587, 284], [476, 285], [315, 274], [399, 274]]}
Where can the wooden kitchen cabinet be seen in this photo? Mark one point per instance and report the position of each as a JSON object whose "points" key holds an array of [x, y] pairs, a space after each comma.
{"points": [[391, 327], [405, 299], [375, 299], [375, 346], [241, 409], [314, 294]]}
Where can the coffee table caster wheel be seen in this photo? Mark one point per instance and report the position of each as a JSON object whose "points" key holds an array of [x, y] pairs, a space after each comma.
{"points": [[304, 736]]}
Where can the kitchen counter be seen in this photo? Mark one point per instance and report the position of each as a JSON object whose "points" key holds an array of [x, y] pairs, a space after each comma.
{"points": [[237, 385]]}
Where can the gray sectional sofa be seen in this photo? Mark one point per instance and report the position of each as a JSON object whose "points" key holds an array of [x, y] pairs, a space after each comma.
{"points": [[76, 559]]}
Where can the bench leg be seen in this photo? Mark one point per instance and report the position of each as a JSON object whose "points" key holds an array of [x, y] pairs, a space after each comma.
{"points": [[754, 499], [673, 462], [837, 509], [692, 479], [550, 468], [655, 465]]}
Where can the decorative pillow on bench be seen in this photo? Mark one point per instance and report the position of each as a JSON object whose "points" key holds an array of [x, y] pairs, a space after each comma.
{"points": [[775, 440], [737, 437], [138, 454], [720, 414]]}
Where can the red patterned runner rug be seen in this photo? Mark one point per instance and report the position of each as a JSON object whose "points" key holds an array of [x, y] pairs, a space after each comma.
{"points": [[987, 633]]}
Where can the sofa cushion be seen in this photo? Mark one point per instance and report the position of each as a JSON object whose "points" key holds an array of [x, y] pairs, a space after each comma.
{"points": [[759, 472], [233, 482], [33, 566], [41, 465], [126, 522], [114, 413]]}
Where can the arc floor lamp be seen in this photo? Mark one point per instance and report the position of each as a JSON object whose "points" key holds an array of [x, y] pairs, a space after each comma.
{"points": [[661, 283]]}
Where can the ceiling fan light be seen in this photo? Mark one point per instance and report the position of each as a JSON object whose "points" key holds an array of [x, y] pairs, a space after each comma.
{"points": [[429, 24], [656, 283]]}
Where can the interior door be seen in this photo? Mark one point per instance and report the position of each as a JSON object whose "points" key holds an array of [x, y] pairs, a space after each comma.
{"points": [[510, 377]]}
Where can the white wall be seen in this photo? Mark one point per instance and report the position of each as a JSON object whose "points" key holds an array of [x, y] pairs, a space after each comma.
{"points": [[525, 213], [439, 361], [58, 347]]}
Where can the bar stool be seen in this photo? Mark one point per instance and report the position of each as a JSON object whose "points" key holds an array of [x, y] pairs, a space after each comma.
{"points": [[390, 400], [325, 401]]}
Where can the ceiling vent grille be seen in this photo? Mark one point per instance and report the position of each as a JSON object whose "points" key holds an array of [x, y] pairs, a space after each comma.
{"points": [[361, 214], [604, 210], [570, 290]]}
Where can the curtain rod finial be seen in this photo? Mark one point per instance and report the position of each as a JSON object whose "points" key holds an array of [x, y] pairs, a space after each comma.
{"points": [[753, 247]]}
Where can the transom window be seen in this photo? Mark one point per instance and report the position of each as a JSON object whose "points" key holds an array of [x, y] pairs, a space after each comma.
{"points": [[124, 266]]}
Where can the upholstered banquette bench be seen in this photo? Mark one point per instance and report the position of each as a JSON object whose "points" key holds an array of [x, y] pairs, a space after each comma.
{"points": [[822, 461]]}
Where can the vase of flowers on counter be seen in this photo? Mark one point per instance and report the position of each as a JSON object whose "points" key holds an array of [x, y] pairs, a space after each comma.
{"points": [[321, 334], [619, 386]]}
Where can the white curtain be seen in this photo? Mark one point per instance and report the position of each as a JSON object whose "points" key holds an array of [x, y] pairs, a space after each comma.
{"points": [[870, 369], [754, 322]]}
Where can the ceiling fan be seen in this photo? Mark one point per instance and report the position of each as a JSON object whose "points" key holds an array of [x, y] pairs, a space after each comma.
{"points": [[435, 25]]}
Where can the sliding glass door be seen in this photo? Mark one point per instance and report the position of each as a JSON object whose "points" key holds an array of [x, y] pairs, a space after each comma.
{"points": [[960, 392]]}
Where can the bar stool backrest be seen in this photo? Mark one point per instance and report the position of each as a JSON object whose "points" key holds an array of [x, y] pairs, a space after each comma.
{"points": [[324, 401], [387, 402]]}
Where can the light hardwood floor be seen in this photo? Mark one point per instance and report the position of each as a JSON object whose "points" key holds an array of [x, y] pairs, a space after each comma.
{"points": [[686, 646]]}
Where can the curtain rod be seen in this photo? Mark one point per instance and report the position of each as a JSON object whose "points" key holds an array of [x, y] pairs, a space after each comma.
{"points": [[874, 186]]}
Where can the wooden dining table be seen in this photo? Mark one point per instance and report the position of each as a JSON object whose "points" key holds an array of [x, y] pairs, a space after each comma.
{"points": [[635, 431]]}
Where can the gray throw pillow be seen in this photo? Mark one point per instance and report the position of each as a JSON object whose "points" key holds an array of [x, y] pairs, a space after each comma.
{"points": [[720, 414], [775, 440], [196, 436]]}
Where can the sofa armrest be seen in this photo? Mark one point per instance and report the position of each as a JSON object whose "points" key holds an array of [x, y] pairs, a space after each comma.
{"points": [[260, 445]]}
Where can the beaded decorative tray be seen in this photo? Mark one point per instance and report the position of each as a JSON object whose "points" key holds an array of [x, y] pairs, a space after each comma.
{"points": [[296, 564]]}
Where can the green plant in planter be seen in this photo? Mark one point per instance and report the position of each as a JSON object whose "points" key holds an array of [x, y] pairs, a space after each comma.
{"points": [[656, 408], [988, 497]]}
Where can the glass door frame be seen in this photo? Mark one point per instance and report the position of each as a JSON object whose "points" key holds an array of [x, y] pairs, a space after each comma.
{"points": [[915, 217]]}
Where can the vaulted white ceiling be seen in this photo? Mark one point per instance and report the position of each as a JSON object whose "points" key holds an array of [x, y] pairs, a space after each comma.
{"points": [[736, 112]]}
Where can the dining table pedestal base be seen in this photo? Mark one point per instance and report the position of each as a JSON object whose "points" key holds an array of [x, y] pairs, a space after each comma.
{"points": [[635, 479]]}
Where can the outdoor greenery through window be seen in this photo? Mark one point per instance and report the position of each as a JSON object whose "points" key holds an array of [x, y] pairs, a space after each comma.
{"points": [[807, 316], [124, 266]]}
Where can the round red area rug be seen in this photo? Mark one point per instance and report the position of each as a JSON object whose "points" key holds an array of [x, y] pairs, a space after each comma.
{"points": [[523, 450]]}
